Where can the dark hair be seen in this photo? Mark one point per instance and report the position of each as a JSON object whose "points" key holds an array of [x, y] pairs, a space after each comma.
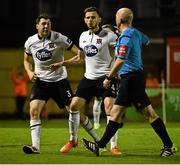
{"points": [[90, 9], [43, 15]]}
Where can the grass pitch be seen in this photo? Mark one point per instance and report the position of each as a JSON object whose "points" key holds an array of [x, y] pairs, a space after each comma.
{"points": [[138, 142]]}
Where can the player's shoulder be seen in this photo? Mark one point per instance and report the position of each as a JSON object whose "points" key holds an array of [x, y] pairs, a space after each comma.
{"points": [[85, 33], [112, 33], [55, 35], [32, 39], [128, 32], [131, 31]]}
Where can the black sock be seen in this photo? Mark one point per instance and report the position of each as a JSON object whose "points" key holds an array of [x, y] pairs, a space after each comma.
{"points": [[160, 129], [111, 129]]}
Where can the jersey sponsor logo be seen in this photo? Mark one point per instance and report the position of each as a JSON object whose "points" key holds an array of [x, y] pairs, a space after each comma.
{"points": [[90, 50], [43, 54], [123, 50]]}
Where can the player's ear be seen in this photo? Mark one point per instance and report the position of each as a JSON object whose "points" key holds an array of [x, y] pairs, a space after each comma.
{"points": [[37, 26], [84, 20], [124, 20]]}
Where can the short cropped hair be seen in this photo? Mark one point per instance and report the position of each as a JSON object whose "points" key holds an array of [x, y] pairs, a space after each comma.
{"points": [[91, 9], [43, 15]]}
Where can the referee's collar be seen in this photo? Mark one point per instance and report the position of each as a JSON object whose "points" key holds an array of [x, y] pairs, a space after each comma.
{"points": [[48, 37]]}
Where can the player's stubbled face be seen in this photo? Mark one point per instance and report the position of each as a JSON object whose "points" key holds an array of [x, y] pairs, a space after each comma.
{"points": [[92, 20], [44, 27]]}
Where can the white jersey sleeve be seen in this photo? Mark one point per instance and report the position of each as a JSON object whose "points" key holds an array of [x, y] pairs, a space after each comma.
{"points": [[62, 40]]}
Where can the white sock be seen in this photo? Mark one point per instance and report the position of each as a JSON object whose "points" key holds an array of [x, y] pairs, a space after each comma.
{"points": [[74, 120], [35, 126], [113, 141], [87, 125], [96, 110]]}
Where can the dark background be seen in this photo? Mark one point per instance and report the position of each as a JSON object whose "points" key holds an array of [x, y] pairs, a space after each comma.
{"points": [[157, 18]]}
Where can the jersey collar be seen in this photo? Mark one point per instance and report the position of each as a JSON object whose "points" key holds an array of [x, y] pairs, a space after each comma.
{"points": [[97, 32], [48, 37]]}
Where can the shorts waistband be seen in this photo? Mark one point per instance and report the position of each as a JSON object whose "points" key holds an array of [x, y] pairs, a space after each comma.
{"points": [[130, 73]]}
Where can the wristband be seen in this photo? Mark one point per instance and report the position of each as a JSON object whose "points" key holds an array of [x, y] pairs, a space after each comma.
{"points": [[108, 78]]}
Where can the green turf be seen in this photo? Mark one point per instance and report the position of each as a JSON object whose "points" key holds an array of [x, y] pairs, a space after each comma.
{"points": [[137, 141]]}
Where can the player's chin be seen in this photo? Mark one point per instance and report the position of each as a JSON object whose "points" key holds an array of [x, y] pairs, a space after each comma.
{"points": [[91, 27], [46, 33]]}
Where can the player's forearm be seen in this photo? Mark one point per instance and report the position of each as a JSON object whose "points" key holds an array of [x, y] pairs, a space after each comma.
{"points": [[78, 59], [77, 51], [117, 65], [27, 63], [27, 66], [73, 60]]}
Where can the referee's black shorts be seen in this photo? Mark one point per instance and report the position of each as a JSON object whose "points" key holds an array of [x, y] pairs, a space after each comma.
{"points": [[132, 91]]}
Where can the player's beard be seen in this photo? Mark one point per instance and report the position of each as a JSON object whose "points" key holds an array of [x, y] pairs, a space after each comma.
{"points": [[92, 27], [45, 33]]}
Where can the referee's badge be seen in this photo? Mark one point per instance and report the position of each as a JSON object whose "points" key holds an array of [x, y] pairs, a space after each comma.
{"points": [[123, 50]]}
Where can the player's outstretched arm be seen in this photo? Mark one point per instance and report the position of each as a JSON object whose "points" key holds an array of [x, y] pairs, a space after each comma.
{"points": [[77, 59]]}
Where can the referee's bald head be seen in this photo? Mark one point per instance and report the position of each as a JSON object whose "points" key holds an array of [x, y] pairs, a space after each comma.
{"points": [[124, 15]]}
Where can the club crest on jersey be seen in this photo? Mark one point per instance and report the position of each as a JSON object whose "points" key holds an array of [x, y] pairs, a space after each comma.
{"points": [[43, 54], [99, 41], [51, 45], [90, 50]]}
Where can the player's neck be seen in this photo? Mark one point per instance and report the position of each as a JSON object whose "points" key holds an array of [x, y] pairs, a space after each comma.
{"points": [[44, 36], [94, 30]]}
